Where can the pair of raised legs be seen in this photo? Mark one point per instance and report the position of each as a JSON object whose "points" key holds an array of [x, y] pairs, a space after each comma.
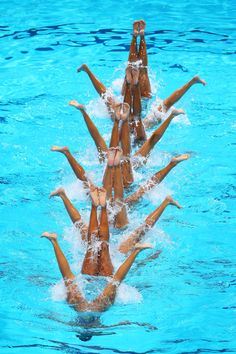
{"points": [[107, 296], [136, 83], [97, 259], [132, 96], [155, 116], [139, 56], [120, 136], [113, 183], [103, 230], [143, 151], [112, 174]]}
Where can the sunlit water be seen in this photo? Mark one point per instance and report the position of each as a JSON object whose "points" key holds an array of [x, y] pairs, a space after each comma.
{"points": [[183, 302]]}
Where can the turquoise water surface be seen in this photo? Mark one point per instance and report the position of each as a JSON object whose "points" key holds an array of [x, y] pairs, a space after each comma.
{"points": [[183, 302]]}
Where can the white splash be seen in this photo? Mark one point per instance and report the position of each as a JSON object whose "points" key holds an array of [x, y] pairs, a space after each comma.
{"points": [[158, 193], [75, 190], [182, 119], [58, 291], [117, 85], [97, 109], [127, 294]]}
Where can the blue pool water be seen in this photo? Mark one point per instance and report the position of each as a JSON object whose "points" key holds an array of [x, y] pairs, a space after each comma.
{"points": [[183, 302]]}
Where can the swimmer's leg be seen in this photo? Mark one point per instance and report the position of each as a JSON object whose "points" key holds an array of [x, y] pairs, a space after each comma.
{"points": [[72, 211], [145, 86], [137, 106], [153, 118], [90, 263], [99, 87], [155, 215], [127, 172], [125, 138], [107, 297], [105, 264], [121, 218], [124, 268], [108, 181], [128, 98], [104, 225], [157, 134], [155, 179], [121, 114], [175, 96], [115, 137], [137, 109], [133, 53], [74, 296], [127, 94], [61, 259], [150, 221], [142, 55], [126, 166], [98, 139], [93, 224], [76, 167]]}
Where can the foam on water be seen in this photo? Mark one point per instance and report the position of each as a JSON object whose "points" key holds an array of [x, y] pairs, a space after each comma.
{"points": [[58, 291], [75, 190], [158, 193], [156, 84], [117, 85], [97, 108], [127, 294], [90, 288], [182, 119], [159, 239]]}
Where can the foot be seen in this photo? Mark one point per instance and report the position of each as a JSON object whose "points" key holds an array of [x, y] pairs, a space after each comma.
{"points": [[142, 25], [62, 149], [136, 28], [77, 105], [117, 110], [180, 158], [198, 80], [102, 196], [111, 156], [142, 246], [173, 202], [58, 192], [175, 112], [83, 67], [122, 111], [118, 154], [49, 235], [94, 195]]}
